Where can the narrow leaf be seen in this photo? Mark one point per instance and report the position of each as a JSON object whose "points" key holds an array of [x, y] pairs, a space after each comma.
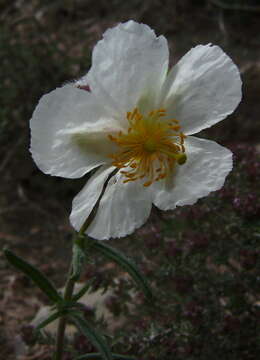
{"points": [[34, 274], [127, 264], [50, 319], [98, 356], [95, 338], [82, 291]]}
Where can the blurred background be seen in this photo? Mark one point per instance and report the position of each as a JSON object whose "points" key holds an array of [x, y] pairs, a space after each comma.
{"points": [[203, 261]]}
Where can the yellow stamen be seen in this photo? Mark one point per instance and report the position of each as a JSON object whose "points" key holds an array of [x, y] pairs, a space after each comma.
{"points": [[150, 148]]}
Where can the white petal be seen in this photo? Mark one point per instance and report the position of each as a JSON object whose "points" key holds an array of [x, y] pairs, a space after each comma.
{"points": [[86, 199], [59, 123], [206, 168], [129, 63], [123, 207], [202, 89]]}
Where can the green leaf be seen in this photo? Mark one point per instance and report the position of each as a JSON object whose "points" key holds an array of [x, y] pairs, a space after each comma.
{"points": [[82, 291], [97, 340], [98, 356], [78, 258], [35, 275], [50, 319], [127, 264]]}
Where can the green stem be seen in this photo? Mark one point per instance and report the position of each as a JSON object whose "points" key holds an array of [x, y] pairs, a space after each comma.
{"points": [[69, 287], [62, 322]]}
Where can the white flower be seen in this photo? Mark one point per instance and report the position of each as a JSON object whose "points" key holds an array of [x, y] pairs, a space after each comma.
{"points": [[138, 118]]}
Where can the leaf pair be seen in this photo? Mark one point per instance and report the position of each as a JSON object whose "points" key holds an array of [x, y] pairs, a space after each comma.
{"points": [[81, 323], [68, 308], [80, 250], [95, 338]]}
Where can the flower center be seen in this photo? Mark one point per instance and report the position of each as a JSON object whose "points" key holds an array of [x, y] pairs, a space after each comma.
{"points": [[151, 147]]}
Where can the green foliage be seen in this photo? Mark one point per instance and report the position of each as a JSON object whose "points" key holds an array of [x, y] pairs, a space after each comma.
{"points": [[126, 264], [82, 291], [94, 337], [202, 261], [54, 316], [35, 275]]}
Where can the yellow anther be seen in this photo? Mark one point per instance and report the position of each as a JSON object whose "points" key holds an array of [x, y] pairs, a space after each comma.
{"points": [[126, 181], [150, 141], [148, 183], [174, 121], [176, 127], [130, 175], [133, 166], [181, 158], [160, 177]]}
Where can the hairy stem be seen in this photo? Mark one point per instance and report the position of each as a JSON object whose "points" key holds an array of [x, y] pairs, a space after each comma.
{"points": [[62, 322], [69, 287]]}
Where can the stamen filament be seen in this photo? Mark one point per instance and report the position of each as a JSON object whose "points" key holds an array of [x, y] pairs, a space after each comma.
{"points": [[150, 141]]}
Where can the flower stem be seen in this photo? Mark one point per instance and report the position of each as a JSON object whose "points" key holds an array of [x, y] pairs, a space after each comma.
{"points": [[69, 287], [62, 322]]}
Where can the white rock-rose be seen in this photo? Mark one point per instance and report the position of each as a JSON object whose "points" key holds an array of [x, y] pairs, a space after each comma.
{"points": [[137, 118]]}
